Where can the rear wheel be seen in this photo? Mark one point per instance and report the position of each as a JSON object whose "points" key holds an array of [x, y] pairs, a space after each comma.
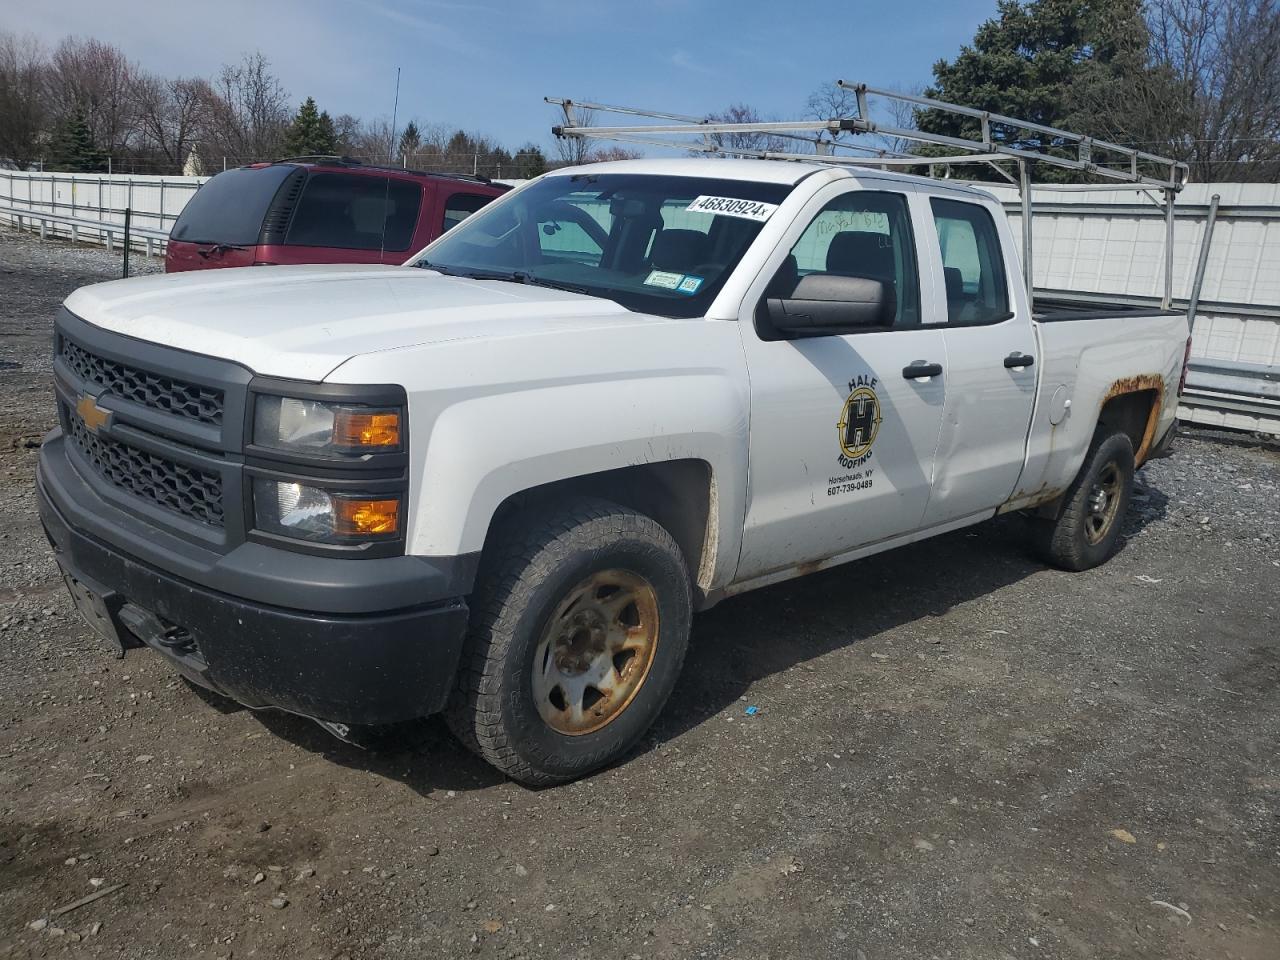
{"points": [[1087, 530], [580, 620]]}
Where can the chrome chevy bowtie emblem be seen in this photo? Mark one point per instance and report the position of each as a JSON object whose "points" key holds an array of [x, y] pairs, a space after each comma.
{"points": [[94, 417]]}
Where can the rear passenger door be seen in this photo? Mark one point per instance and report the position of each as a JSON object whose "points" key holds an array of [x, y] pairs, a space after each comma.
{"points": [[843, 428], [991, 376]]}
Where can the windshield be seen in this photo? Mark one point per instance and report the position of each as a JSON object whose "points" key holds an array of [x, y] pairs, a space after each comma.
{"points": [[655, 244]]}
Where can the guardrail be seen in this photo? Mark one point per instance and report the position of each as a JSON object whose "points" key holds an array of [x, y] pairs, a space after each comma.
{"points": [[145, 238], [1223, 393]]}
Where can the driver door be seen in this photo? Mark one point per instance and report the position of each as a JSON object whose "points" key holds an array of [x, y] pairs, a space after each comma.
{"points": [[844, 428]]}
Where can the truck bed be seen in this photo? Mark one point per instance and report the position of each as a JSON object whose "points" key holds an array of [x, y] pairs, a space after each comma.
{"points": [[1057, 308]]}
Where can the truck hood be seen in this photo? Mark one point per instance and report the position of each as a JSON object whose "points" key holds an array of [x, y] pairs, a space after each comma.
{"points": [[302, 322]]}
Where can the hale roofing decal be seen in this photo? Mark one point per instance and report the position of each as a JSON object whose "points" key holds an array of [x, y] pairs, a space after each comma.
{"points": [[856, 432], [733, 207]]}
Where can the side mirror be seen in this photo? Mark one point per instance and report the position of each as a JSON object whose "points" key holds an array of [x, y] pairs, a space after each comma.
{"points": [[826, 304]]}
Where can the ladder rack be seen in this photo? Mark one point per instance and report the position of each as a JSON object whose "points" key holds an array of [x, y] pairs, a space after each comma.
{"points": [[827, 141]]}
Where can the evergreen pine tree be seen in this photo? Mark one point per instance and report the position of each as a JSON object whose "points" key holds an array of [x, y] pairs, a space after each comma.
{"points": [[1042, 61], [72, 148], [530, 162], [410, 140], [311, 133]]}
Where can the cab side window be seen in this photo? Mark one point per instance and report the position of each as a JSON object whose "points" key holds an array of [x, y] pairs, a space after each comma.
{"points": [[864, 234], [977, 290]]}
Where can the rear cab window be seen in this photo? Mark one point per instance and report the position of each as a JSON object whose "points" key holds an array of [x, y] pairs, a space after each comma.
{"points": [[972, 264], [355, 212], [229, 208]]}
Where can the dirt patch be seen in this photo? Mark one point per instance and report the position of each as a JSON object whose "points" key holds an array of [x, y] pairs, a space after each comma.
{"points": [[946, 740]]}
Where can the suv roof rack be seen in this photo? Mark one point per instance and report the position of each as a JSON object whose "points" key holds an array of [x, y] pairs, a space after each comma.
{"points": [[324, 159], [1125, 167]]}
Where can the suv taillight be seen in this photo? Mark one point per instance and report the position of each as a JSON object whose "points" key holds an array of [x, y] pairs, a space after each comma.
{"points": [[1186, 363]]}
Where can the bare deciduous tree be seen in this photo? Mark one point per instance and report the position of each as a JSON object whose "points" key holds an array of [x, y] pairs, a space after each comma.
{"points": [[573, 151], [95, 79], [728, 143], [250, 113], [24, 113], [833, 102], [373, 140], [347, 130], [172, 115], [614, 153], [1222, 58]]}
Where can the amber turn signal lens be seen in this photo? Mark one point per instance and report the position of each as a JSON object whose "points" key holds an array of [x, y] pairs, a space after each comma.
{"points": [[363, 518], [356, 428]]}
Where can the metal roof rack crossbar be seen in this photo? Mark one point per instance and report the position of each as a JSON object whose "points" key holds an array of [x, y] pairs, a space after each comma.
{"points": [[1127, 168], [823, 136]]}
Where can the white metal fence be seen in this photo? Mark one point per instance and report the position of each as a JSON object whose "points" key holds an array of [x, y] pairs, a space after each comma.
{"points": [[1086, 243], [1112, 244], [155, 202]]}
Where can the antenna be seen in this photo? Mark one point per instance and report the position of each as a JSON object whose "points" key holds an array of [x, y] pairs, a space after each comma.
{"points": [[395, 108], [386, 184]]}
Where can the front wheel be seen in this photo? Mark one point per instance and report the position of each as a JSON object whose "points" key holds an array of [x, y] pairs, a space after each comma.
{"points": [[580, 620], [1087, 530]]}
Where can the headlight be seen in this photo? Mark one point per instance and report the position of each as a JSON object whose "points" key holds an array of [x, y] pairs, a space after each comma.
{"points": [[288, 423], [306, 512]]}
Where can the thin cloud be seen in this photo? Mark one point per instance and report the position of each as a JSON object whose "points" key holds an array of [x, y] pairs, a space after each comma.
{"points": [[433, 31], [685, 61]]}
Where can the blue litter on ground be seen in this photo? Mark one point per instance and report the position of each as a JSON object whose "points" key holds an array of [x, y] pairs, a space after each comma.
{"points": [[752, 711]]}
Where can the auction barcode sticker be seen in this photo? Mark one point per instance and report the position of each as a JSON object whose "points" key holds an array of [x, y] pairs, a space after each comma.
{"points": [[733, 207]]}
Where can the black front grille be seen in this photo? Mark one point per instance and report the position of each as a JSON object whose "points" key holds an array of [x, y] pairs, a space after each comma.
{"points": [[182, 489], [190, 400]]}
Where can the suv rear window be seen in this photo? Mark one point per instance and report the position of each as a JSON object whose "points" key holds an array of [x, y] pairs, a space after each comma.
{"points": [[229, 208], [355, 213]]}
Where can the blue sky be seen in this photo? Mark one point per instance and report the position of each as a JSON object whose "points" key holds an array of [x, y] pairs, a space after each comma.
{"points": [[486, 66]]}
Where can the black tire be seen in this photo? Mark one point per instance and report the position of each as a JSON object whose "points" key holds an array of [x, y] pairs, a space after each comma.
{"points": [[537, 561], [1085, 535]]}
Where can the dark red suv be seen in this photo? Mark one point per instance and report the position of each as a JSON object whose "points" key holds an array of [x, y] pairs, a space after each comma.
{"points": [[319, 210]]}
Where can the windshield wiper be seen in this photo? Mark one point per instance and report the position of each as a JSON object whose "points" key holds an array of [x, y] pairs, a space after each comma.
{"points": [[552, 284], [438, 268], [468, 274], [515, 276], [219, 248]]}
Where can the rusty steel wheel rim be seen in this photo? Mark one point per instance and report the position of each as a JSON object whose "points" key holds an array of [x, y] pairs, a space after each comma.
{"points": [[1104, 503], [595, 651]]}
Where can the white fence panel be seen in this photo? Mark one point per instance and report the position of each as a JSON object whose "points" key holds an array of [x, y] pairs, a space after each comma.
{"points": [[155, 201]]}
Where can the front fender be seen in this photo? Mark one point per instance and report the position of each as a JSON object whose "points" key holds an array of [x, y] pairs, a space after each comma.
{"points": [[490, 417], [485, 449]]}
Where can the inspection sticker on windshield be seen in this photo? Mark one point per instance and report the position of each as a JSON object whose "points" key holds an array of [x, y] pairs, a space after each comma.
{"points": [[732, 207], [661, 278]]}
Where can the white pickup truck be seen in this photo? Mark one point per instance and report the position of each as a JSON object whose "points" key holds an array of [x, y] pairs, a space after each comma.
{"points": [[499, 480]]}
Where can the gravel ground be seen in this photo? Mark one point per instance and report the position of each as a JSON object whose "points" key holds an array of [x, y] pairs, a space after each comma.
{"points": [[956, 753]]}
